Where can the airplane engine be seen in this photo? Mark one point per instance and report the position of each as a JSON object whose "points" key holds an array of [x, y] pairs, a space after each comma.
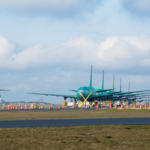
{"points": [[65, 98]]}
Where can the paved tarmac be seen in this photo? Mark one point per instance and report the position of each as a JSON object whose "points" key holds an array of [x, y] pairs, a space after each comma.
{"points": [[74, 122], [53, 109]]}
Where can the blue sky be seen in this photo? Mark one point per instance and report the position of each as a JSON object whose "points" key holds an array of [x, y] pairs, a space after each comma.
{"points": [[48, 46]]}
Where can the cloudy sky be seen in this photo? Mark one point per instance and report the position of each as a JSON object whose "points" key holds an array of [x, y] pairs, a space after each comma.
{"points": [[48, 46]]}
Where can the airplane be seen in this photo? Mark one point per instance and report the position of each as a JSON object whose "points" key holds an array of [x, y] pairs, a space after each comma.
{"points": [[130, 95], [0, 95], [89, 93], [82, 94], [117, 95], [113, 94]]}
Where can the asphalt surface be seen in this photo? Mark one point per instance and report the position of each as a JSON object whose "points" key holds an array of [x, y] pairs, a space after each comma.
{"points": [[53, 109], [74, 122]]}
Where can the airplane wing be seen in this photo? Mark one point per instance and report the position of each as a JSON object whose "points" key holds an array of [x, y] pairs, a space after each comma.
{"points": [[58, 95], [130, 94], [121, 93], [73, 90], [101, 90], [4, 90], [117, 95], [101, 95], [97, 91], [113, 93]]}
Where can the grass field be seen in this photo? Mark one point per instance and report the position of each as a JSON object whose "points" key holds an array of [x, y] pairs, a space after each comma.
{"points": [[76, 138], [113, 113]]}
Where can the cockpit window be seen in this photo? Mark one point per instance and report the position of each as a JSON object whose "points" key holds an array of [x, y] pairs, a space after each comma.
{"points": [[83, 91]]}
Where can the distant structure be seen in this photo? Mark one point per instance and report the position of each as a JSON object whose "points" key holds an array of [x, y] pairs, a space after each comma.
{"points": [[1, 101]]}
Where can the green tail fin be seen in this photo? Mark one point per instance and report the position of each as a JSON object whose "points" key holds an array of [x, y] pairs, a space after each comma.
{"points": [[91, 77], [103, 80]]}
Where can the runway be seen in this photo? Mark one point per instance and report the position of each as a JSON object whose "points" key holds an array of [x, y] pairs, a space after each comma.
{"points": [[74, 122], [53, 109]]}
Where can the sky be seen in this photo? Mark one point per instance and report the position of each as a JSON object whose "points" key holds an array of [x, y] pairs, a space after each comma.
{"points": [[49, 46]]}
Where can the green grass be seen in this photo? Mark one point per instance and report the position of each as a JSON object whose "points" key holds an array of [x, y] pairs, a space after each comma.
{"points": [[113, 113], [76, 138]]}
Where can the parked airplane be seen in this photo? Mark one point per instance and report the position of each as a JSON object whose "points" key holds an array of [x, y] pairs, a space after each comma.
{"points": [[85, 92], [88, 93], [117, 95]]}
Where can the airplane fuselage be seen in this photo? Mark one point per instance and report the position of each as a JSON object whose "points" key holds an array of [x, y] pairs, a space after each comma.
{"points": [[85, 91]]}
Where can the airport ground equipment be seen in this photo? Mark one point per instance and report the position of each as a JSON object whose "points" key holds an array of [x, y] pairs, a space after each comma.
{"points": [[64, 103], [70, 104], [80, 104]]}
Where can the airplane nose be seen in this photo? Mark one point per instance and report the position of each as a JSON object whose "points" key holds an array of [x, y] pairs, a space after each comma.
{"points": [[83, 94]]}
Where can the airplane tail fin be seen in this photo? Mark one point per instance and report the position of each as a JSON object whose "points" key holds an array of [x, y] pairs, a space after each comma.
{"points": [[91, 77], [129, 87], [113, 83], [120, 84], [103, 80]]}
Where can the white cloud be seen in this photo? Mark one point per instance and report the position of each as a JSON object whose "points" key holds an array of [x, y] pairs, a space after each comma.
{"points": [[6, 49], [114, 52], [55, 7], [109, 42]]}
